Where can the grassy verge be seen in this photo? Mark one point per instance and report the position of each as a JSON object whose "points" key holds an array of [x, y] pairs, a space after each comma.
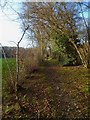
{"points": [[5, 70], [6, 75]]}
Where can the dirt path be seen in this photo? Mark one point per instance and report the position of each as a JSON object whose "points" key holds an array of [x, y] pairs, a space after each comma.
{"points": [[55, 92]]}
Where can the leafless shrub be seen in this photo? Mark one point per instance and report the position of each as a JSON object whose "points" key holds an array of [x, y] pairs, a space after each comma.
{"points": [[29, 61]]}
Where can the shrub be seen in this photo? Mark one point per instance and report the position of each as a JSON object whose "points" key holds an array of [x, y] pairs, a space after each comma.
{"points": [[29, 60]]}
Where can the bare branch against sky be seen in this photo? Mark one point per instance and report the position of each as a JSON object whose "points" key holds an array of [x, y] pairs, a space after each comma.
{"points": [[10, 19]]}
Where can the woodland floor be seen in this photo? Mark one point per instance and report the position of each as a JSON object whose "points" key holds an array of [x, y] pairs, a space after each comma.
{"points": [[52, 92]]}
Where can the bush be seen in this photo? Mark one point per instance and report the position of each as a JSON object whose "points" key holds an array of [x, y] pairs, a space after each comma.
{"points": [[29, 60]]}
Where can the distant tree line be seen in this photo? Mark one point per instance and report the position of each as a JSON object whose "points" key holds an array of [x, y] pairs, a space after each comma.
{"points": [[10, 52]]}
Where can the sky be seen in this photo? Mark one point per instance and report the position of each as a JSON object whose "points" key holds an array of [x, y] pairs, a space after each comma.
{"points": [[9, 29]]}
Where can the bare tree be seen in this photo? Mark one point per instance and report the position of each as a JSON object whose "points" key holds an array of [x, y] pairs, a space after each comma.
{"points": [[48, 18]]}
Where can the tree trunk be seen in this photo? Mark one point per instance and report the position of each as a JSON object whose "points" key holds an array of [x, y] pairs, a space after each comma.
{"points": [[88, 66], [89, 44], [84, 62]]}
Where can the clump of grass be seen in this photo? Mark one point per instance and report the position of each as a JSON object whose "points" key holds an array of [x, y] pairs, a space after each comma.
{"points": [[8, 76], [86, 89], [50, 62]]}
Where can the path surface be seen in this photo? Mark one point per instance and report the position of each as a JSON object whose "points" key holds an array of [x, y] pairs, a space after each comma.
{"points": [[58, 92]]}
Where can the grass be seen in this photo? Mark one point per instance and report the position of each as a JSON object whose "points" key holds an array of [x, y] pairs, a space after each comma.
{"points": [[6, 77], [50, 92], [5, 70]]}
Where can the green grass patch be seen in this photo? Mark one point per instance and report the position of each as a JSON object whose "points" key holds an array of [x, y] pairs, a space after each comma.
{"points": [[5, 70], [11, 63], [50, 62]]}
